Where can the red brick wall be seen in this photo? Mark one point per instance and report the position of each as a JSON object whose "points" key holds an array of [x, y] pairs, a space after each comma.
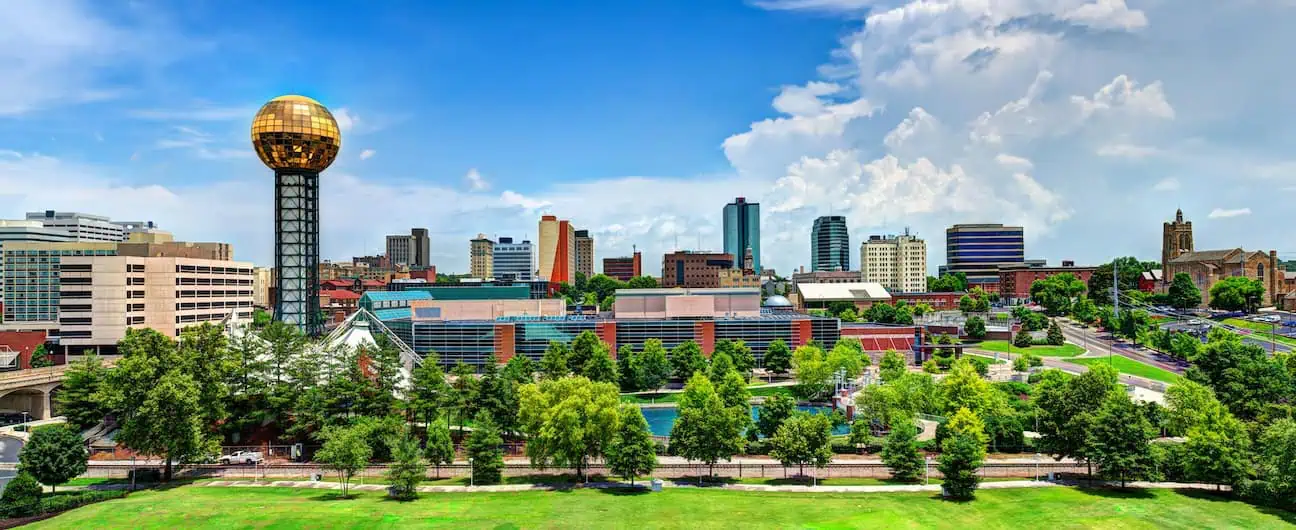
{"points": [[504, 342], [607, 333], [800, 333], [704, 332]]}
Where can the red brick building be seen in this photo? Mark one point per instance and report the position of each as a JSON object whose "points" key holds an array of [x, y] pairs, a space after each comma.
{"points": [[17, 347], [624, 268], [938, 301], [1015, 281], [684, 268]]}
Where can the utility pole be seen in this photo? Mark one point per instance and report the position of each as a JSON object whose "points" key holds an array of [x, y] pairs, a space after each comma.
{"points": [[1115, 307]]}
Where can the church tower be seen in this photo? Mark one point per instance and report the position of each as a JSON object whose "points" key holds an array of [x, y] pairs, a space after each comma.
{"points": [[1176, 239]]}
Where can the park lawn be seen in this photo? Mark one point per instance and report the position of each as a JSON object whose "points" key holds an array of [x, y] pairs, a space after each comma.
{"points": [[853, 481], [1065, 350], [1054, 507], [1262, 329], [1131, 367]]}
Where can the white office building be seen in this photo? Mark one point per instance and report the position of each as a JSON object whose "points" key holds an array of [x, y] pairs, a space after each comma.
{"points": [[898, 263], [513, 261]]}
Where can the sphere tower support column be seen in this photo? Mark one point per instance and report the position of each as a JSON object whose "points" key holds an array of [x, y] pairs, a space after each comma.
{"points": [[297, 250]]}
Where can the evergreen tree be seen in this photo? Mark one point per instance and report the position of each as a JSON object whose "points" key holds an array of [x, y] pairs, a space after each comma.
{"points": [[803, 439], [686, 359], [429, 393], [498, 395], [554, 363], [440, 448], [628, 366], [892, 366], [1022, 339], [54, 455], [1183, 293], [466, 390], [654, 368], [520, 370], [900, 452], [484, 449], [975, 327], [778, 358], [632, 452], [21, 497], [407, 469], [1055, 337], [77, 398], [962, 454], [1118, 439], [773, 412]]}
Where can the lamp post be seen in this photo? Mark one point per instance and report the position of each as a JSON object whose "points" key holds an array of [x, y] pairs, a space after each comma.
{"points": [[1037, 459], [470, 472], [927, 472], [25, 427], [132, 488]]}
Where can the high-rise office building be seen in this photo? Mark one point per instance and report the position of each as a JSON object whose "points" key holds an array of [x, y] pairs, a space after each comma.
{"points": [[88, 227], [624, 268], [399, 250], [978, 250], [830, 244], [742, 231], [481, 257], [557, 250], [684, 268], [421, 251], [898, 263], [584, 253], [512, 261]]}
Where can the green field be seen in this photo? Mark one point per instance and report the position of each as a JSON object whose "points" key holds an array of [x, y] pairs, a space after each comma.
{"points": [[1130, 367], [1263, 330], [210, 507], [1065, 350]]}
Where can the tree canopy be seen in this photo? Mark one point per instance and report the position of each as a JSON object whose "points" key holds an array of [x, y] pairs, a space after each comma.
{"points": [[567, 421]]}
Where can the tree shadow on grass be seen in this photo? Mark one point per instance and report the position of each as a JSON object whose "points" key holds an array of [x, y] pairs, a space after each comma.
{"points": [[626, 490], [705, 482], [1207, 495], [1114, 492], [335, 496]]}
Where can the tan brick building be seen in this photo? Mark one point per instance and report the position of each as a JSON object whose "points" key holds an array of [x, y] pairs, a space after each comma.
{"points": [[1206, 267]]}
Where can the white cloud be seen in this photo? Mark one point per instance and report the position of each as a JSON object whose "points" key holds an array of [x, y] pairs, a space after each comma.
{"points": [[1120, 150], [346, 120], [475, 181], [1220, 213], [367, 154], [1013, 162], [1124, 92], [200, 145], [1166, 184], [1107, 14]]}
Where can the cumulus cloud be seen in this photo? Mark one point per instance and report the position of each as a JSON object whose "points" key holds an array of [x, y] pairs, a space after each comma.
{"points": [[1221, 213], [367, 154], [1126, 150], [475, 181], [1013, 162], [346, 119]]}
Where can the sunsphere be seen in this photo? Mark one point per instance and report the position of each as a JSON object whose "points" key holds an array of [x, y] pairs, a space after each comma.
{"points": [[296, 133]]}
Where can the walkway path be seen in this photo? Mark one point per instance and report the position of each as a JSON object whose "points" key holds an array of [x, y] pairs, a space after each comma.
{"points": [[736, 487]]}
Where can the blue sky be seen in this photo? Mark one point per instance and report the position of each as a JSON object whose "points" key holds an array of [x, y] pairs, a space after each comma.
{"points": [[1087, 121]]}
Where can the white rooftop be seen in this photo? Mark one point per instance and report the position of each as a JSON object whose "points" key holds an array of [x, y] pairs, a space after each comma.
{"points": [[829, 292]]}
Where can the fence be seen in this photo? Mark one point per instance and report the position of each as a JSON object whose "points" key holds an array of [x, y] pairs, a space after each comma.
{"points": [[665, 471]]}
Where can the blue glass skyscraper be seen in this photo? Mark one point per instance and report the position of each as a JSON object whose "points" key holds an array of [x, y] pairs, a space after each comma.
{"points": [[830, 244], [979, 250], [742, 231]]}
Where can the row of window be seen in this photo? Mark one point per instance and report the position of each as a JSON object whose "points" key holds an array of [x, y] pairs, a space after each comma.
{"points": [[212, 305], [204, 269]]}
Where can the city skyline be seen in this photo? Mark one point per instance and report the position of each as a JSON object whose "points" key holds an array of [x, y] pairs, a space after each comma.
{"points": [[1071, 154]]}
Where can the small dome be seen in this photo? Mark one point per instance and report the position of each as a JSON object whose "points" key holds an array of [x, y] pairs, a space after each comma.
{"points": [[777, 301]]}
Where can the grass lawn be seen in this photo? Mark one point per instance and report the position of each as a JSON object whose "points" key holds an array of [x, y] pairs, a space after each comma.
{"points": [[210, 507], [852, 481], [1262, 330], [1065, 350], [1130, 367]]}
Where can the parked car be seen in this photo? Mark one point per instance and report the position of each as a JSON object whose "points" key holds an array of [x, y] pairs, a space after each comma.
{"points": [[242, 457]]}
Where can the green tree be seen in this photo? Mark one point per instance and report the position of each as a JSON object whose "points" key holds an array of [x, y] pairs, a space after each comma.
{"points": [[345, 451], [848, 356], [778, 358], [77, 399], [686, 359], [1057, 293], [1022, 339], [947, 283], [568, 421], [601, 367], [499, 396], [654, 368], [407, 469], [484, 448], [21, 497], [54, 455], [642, 282], [721, 365], [900, 451], [803, 439], [1183, 293], [1055, 337], [465, 392], [814, 375], [975, 327], [1131, 269], [627, 364], [1118, 439], [582, 350], [1275, 470], [1218, 450], [631, 452], [706, 430], [1084, 310], [965, 388], [554, 365], [428, 392], [440, 448], [966, 304], [1237, 293], [1243, 376], [40, 358], [157, 401], [1067, 407], [773, 412], [893, 366], [962, 454], [743, 358]]}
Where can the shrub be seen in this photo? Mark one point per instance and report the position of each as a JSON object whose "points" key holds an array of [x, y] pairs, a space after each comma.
{"points": [[75, 499], [1023, 339], [146, 475], [843, 447], [931, 367], [22, 497]]}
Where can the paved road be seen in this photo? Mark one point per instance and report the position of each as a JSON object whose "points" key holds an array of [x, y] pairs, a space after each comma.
{"points": [[1101, 343]]}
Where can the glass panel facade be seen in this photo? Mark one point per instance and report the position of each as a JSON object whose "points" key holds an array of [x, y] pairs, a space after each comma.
{"points": [[532, 338]]}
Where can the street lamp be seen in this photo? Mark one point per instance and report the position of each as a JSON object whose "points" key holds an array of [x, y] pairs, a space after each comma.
{"points": [[1037, 459], [927, 472], [25, 415], [470, 472]]}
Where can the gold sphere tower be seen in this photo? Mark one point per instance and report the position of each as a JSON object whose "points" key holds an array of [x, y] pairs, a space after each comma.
{"points": [[298, 138]]}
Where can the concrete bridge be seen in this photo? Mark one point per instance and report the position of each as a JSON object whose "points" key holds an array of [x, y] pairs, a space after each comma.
{"points": [[31, 390]]}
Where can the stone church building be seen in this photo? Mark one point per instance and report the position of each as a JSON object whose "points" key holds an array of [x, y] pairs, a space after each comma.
{"points": [[1206, 267]]}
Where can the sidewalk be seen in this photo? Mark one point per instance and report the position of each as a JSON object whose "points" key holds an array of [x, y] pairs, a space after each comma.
{"points": [[670, 484]]}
